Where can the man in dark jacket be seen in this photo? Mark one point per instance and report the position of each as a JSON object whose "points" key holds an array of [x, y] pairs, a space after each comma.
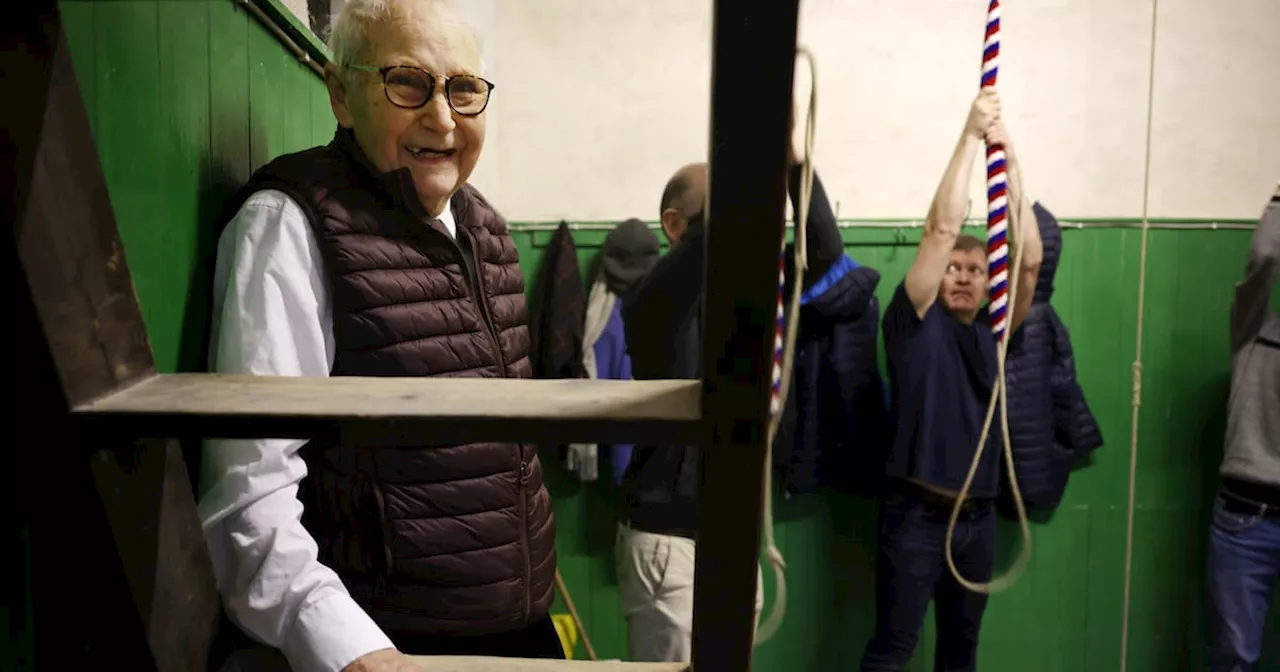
{"points": [[372, 256], [662, 316]]}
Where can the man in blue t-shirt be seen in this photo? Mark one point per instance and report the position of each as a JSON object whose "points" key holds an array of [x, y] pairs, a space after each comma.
{"points": [[942, 369]]}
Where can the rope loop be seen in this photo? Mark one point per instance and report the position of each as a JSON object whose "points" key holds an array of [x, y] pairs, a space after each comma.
{"points": [[1002, 321], [784, 359]]}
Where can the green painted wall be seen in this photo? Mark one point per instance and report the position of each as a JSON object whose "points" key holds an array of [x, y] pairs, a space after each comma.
{"points": [[187, 97]]}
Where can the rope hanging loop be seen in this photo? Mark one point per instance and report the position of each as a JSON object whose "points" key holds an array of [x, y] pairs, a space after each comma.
{"points": [[1002, 286], [787, 327]]}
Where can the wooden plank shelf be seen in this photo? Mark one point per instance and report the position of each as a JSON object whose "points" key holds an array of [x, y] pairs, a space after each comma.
{"points": [[388, 411], [485, 664]]}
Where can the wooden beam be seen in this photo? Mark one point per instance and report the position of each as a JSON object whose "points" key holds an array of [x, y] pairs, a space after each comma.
{"points": [[485, 664], [120, 570], [751, 101], [382, 411]]}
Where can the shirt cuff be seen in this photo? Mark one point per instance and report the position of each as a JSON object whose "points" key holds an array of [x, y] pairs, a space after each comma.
{"points": [[328, 635]]}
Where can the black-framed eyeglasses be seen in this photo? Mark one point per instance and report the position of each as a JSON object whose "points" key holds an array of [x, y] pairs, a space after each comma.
{"points": [[412, 87]]}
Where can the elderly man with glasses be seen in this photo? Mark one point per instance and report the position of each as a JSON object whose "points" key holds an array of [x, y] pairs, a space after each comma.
{"points": [[372, 256]]}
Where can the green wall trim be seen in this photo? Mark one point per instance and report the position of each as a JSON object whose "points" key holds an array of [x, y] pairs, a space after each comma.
{"points": [[854, 233]]}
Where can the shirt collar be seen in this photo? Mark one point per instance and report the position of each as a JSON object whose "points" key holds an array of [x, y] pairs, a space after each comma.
{"points": [[399, 182], [447, 219]]}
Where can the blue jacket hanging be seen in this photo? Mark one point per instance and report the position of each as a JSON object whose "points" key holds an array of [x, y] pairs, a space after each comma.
{"points": [[833, 431], [1050, 423]]}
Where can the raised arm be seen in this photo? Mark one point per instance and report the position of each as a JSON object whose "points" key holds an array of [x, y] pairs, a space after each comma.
{"points": [[1023, 226], [823, 243], [946, 214], [1253, 292], [822, 236]]}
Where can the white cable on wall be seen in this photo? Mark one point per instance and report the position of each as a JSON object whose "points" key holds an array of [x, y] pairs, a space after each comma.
{"points": [[1137, 349]]}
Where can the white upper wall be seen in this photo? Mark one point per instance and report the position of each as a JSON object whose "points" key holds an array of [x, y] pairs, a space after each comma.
{"points": [[299, 9], [599, 101]]}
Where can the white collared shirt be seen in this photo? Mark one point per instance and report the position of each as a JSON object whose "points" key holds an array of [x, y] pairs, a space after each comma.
{"points": [[272, 316]]}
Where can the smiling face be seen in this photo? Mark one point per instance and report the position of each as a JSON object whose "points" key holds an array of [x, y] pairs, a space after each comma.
{"points": [[438, 146], [965, 283]]}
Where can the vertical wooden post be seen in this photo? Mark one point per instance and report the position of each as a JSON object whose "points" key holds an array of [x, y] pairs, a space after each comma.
{"points": [[751, 100], [120, 572]]}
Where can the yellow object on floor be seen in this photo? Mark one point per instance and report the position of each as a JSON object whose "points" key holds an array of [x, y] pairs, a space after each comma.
{"points": [[568, 633]]}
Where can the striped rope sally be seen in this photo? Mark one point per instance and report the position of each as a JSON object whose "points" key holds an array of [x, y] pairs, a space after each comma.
{"points": [[1002, 287], [997, 192]]}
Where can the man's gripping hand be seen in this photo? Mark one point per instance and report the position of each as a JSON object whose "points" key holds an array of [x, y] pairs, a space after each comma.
{"points": [[985, 111]]}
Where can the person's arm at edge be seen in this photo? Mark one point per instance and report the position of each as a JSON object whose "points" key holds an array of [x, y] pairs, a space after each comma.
{"points": [[1253, 292], [822, 236], [266, 563]]}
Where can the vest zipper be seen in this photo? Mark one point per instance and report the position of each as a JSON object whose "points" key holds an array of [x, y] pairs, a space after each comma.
{"points": [[482, 303], [524, 534], [483, 300], [480, 296], [388, 559]]}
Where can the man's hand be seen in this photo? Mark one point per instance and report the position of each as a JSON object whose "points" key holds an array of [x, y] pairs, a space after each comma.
{"points": [[385, 660], [998, 135], [985, 111]]}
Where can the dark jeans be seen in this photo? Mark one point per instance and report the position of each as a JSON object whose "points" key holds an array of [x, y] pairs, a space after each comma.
{"points": [[1243, 566], [912, 569]]}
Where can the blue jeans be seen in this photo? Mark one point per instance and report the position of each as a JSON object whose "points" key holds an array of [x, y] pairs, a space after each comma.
{"points": [[911, 571], [1241, 573]]}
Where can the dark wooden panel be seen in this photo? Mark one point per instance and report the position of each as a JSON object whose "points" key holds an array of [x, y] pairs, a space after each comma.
{"points": [[146, 494], [75, 319], [68, 243], [751, 100]]}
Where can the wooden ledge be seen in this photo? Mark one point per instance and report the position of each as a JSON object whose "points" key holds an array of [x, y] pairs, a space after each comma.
{"points": [[382, 411], [483, 664]]}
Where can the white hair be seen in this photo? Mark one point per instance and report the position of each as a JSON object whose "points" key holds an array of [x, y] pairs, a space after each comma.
{"points": [[349, 39]]}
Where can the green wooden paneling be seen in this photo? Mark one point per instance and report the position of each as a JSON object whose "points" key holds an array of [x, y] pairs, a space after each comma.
{"points": [[229, 129], [187, 97]]}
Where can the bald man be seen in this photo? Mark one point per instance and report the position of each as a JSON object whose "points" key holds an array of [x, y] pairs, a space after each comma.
{"points": [[662, 316]]}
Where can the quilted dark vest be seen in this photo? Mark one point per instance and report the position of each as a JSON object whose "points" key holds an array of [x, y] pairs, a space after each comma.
{"points": [[431, 540]]}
